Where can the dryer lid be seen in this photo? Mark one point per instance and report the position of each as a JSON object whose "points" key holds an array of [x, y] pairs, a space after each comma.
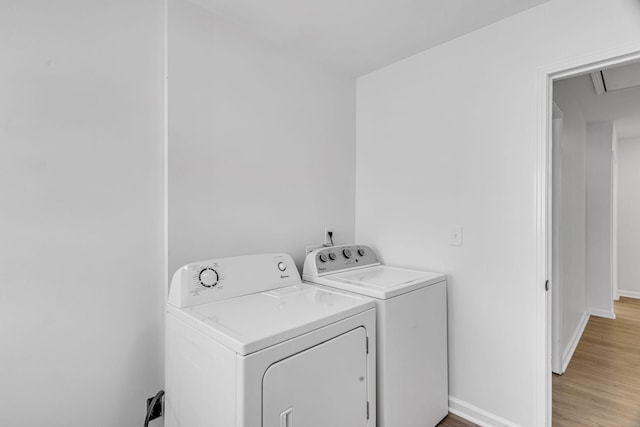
{"points": [[253, 322], [382, 281]]}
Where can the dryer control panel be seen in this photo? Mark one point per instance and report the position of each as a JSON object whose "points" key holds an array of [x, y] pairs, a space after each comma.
{"points": [[339, 258], [217, 279]]}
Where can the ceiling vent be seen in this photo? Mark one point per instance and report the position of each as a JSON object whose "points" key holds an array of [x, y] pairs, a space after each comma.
{"points": [[598, 82], [617, 78]]}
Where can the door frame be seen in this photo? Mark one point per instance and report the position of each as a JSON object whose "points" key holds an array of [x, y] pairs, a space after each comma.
{"points": [[556, 242], [614, 220], [545, 76]]}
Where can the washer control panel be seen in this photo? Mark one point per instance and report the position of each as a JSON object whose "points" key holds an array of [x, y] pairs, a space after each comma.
{"points": [[344, 257], [217, 279]]}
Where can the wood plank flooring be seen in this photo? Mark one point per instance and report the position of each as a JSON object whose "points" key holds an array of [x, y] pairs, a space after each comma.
{"points": [[455, 421], [601, 386]]}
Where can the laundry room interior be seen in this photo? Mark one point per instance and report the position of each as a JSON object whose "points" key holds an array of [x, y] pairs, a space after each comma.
{"points": [[141, 136]]}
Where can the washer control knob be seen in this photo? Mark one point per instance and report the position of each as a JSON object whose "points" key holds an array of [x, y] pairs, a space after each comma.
{"points": [[282, 266], [208, 277], [361, 252], [332, 256], [346, 253], [322, 257]]}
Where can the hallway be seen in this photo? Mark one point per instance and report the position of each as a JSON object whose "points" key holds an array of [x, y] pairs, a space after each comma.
{"points": [[601, 386]]}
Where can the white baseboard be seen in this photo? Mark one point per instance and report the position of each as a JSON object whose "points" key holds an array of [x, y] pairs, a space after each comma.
{"points": [[477, 415], [575, 339], [602, 313], [628, 294]]}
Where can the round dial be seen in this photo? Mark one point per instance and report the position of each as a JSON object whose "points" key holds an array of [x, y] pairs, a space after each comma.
{"points": [[361, 252], [322, 257], [332, 256], [346, 253], [282, 266], [208, 277]]}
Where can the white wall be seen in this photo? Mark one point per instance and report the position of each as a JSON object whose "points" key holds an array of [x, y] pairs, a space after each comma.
{"points": [[571, 188], [599, 174], [628, 217], [448, 137], [261, 143], [81, 305]]}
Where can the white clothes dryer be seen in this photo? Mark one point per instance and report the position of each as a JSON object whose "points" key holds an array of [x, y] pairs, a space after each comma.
{"points": [[248, 344], [411, 312]]}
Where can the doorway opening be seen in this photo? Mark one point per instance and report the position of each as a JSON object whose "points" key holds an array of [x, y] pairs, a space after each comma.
{"points": [[550, 246]]}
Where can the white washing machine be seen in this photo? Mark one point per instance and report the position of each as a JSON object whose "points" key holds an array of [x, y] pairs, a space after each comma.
{"points": [[412, 330], [248, 345]]}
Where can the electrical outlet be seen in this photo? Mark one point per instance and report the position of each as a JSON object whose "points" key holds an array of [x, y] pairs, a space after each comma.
{"points": [[312, 248], [327, 239], [156, 411]]}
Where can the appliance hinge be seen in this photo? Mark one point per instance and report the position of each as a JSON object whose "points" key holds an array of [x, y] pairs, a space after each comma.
{"points": [[367, 344], [367, 409]]}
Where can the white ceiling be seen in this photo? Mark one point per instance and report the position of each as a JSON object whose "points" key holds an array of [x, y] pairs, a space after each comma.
{"points": [[359, 36], [621, 106]]}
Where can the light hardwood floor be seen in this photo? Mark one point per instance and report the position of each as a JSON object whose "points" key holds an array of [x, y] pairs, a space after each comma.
{"points": [[601, 386], [455, 421]]}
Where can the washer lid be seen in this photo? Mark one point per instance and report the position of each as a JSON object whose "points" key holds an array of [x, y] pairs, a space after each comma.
{"points": [[382, 281], [253, 322]]}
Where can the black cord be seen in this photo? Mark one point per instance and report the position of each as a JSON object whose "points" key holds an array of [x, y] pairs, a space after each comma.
{"points": [[152, 405], [330, 234]]}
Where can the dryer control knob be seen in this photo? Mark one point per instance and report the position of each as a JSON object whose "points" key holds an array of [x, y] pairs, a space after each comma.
{"points": [[282, 266], [322, 257], [346, 253], [361, 252], [332, 256], [208, 277]]}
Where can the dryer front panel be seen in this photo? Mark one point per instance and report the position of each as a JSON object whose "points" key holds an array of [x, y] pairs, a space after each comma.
{"points": [[325, 385]]}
